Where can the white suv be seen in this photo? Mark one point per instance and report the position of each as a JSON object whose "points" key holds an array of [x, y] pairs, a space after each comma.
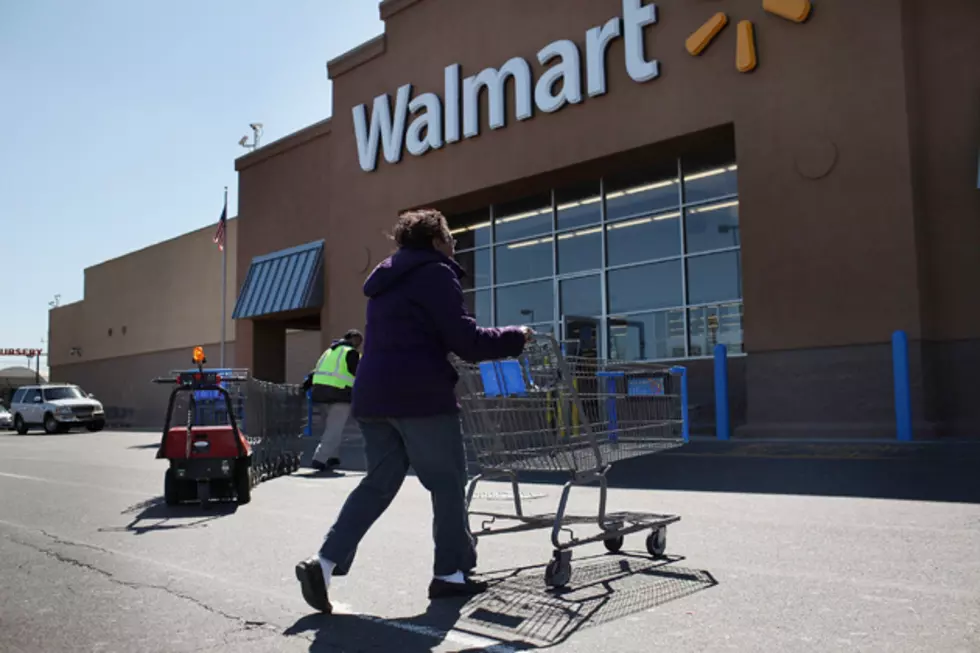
{"points": [[55, 407]]}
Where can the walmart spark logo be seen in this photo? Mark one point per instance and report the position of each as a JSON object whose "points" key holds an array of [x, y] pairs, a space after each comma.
{"points": [[745, 54]]}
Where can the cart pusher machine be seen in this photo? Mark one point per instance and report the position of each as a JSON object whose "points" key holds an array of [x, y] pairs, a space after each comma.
{"points": [[215, 453], [547, 412]]}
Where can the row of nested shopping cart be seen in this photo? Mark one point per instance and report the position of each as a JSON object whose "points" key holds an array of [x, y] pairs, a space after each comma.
{"points": [[544, 411]]}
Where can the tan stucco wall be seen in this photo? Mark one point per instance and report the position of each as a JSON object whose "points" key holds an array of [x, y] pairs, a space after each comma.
{"points": [[167, 296], [124, 384]]}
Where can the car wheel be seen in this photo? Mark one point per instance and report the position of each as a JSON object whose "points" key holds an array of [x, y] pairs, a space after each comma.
{"points": [[20, 425], [51, 425], [95, 427]]}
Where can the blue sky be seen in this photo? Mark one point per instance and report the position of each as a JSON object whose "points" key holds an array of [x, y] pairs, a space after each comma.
{"points": [[120, 124]]}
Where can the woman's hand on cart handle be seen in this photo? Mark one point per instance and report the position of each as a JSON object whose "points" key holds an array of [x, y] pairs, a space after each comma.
{"points": [[528, 333]]}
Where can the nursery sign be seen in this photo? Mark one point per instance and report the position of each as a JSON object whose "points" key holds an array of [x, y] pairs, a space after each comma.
{"points": [[30, 353]]}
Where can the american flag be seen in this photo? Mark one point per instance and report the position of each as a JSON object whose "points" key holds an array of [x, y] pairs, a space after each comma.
{"points": [[219, 234]]}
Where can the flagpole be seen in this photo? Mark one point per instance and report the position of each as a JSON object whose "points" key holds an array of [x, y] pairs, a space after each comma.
{"points": [[224, 279]]}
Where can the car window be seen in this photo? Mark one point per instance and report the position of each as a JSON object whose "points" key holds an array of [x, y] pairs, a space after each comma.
{"points": [[31, 395], [65, 392], [18, 396]]}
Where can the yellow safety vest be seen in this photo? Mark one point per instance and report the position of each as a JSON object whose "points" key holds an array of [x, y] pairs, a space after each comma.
{"points": [[331, 369]]}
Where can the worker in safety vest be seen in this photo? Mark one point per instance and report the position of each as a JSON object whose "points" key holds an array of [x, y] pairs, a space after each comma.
{"points": [[333, 379]]}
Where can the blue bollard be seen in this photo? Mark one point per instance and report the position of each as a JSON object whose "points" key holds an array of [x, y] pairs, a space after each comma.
{"points": [[686, 426], [611, 394], [308, 431], [903, 386], [722, 422]]}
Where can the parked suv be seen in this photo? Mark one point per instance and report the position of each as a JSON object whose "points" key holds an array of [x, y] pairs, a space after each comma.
{"points": [[55, 407]]}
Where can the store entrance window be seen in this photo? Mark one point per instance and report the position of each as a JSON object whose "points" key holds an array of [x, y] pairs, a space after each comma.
{"points": [[641, 264]]}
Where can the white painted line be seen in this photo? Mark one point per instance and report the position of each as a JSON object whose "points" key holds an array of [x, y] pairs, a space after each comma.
{"points": [[454, 636], [147, 496], [40, 479]]}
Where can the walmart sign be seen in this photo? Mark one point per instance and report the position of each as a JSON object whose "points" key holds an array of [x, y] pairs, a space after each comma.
{"points": [[419, 123]]}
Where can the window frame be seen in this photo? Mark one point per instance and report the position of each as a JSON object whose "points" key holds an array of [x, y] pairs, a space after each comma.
{"points": [[681, 208]]}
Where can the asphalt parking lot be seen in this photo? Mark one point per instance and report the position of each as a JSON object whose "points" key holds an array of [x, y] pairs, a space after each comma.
{"points": [[780, 547]]}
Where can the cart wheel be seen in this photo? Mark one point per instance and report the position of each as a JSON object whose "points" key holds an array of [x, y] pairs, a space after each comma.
{"points": [[558, 572], [657, 542], [243, 483], [171, 488], [614, 544]]}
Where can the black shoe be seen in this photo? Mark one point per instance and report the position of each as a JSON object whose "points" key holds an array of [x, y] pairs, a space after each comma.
{"points": [[440, 589], [318, 466], [333, 462], [310, 578]]}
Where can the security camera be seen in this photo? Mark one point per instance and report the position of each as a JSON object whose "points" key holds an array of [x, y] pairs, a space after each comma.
{"points": [[255, 125]]}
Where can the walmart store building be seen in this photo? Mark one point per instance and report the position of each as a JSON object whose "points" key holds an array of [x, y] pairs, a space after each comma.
{"points": [[795, 180]]}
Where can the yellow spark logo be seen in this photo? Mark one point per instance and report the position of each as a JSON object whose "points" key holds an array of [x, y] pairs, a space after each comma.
{"points": [[745, 53]]}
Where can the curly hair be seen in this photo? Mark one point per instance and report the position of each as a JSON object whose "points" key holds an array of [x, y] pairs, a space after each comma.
{"points": [[417, 229]]}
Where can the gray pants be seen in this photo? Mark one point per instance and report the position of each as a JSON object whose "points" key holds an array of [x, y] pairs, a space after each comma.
{"points": [[433, 447], [335, 419]]}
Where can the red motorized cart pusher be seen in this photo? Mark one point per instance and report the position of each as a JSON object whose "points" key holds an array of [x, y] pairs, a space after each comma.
{"points": [[205, 461]]}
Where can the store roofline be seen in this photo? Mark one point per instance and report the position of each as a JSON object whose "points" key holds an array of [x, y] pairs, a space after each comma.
{"points": [[211, 227], [371, 49], [284, 144], [389, 8], [358, 56]]}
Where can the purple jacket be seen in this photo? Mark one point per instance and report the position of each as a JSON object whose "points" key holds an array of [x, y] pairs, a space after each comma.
{"points": [[416, 316]]}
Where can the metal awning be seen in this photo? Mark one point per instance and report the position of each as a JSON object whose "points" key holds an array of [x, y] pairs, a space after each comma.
{"points": [[287, 280]]}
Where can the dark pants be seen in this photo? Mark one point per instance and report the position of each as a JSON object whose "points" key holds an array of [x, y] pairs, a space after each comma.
{"points": [[433, 447]]}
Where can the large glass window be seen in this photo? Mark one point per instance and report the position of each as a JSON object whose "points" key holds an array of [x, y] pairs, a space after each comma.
{"points": [[713, 278], [526, 303], [528, 217], [712, 226], [580, 250], [644, 239], [713, 325], [578, 206], [642, 287], [524, 260], [647, 336], [642, 192], [643, 264], [470, 229], [476, 263], [581, 296]]}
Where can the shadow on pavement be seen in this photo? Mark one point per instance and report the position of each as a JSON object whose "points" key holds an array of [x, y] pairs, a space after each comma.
{"points": [[519, 612], [940, 472], [934, 471], [148, 445], [156, 515]]}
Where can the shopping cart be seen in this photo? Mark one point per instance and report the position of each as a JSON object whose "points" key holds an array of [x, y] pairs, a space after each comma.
{"points": [[548, 412]]}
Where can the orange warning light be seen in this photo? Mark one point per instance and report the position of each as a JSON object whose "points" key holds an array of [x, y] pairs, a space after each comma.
{"points": [[198, 354]]}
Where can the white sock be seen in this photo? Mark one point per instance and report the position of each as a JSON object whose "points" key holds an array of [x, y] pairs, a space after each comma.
{"points": [[327, 568], [457, 578]]}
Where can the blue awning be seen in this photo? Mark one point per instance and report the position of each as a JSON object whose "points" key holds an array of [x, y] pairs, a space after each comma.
{"points": [[287, 280]]}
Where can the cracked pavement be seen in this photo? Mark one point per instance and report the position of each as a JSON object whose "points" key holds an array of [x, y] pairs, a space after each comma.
{"points": [[91, 561]]}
